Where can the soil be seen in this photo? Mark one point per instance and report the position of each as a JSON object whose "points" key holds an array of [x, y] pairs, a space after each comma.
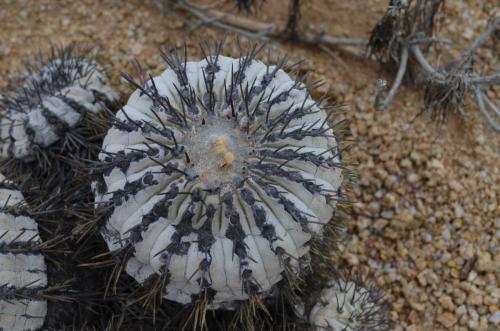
{"points": [[426, 221]]}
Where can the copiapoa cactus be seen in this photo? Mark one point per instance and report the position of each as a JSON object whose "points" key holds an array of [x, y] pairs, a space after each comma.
{"points": [[53, 120], [217, 175], [346, 304], [23, 273]]}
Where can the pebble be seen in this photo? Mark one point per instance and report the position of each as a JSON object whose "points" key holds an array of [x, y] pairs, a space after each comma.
{"points": [[485, 263], [447, 303], [447, 319], [459, 211], [495, 318]]}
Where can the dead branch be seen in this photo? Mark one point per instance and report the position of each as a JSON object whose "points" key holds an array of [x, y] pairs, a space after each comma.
{"points": [[397, 82], [397, 39], [421, 59], [482, 38], [481, 98], [261, 30], [450, 87], [293, 19]]}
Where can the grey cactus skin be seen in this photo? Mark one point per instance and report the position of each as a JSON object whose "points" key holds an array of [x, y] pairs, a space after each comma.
{"points": [[217, 175], [23, 273]]}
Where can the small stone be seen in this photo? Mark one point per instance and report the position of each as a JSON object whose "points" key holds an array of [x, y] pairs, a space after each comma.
{"points": [[416, 156], [495, 317], [475, 299], [447, 319], [405, 163], [474, 316], [459, 296], [436, 164], [459, 211], [484, 262], [417, 306], [461, 310], [421, 279], [380, 224], [473, 324], [374, 208], [427, 237], [412, 178], [387, 214], [446, 302], [405, 216], [472, 275], [390, 200], [468, 33], [455, 186], [446, 234]]}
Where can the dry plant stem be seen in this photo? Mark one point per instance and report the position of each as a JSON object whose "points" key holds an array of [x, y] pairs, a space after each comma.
{"points": [[481, 98], [492, 105], [398, 80], [420, 57], [486, 80], [225, 21], [430, 40], [482, 38], [293, 19], [472, 80], [264, 31]]}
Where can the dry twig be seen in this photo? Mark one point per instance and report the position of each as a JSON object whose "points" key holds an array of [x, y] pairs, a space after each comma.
{"points": [[259, 30]]}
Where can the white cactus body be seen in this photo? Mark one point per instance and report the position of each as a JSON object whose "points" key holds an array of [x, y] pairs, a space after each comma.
{"points": [[219, 173]]}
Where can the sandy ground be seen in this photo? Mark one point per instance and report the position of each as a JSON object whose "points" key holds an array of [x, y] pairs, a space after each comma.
{"points": [[427, 216]]}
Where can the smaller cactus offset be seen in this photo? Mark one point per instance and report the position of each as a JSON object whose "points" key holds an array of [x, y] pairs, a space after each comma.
{"points": [[52, 121], [345, 303]]}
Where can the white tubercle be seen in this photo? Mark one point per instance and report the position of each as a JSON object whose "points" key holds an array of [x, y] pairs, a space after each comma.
{"points": [[23, 272]]}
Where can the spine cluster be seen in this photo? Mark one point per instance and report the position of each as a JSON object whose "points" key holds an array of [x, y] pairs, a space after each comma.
{"points": [[348, 305]]}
